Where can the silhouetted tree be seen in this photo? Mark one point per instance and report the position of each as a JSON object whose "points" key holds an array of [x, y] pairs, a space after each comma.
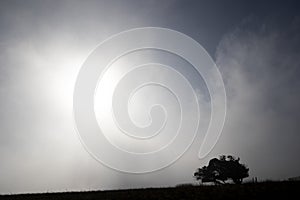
{"points": [[222, 169]]}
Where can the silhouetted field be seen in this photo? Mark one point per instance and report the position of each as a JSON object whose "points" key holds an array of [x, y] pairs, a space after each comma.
{"points": [[264, 190]]}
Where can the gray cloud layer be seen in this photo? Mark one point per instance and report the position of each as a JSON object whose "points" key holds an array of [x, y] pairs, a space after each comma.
{"points": [[261, 71]]}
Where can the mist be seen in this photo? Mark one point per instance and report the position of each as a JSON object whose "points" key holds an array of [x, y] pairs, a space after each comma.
{"points": [[44, 44]]}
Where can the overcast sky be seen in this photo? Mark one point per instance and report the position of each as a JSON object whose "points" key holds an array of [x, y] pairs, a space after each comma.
{"points": [[43, 44]]}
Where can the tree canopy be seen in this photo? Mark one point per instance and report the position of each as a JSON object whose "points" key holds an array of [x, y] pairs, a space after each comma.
{"points": [[222, 169]]}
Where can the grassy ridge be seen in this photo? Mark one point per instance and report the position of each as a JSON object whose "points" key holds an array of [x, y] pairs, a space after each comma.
{"points": [[265, 190]]}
